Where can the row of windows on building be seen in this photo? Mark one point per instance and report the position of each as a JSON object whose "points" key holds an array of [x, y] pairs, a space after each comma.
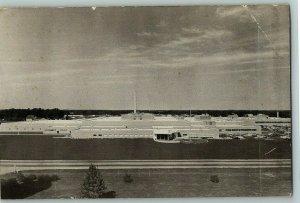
{"points": [[272, 121], [20, 133], [25, 129], [241, 129], [100, 135]]}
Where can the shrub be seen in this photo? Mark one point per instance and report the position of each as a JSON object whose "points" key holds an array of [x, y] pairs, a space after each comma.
{"points": [[54, 177], [30, 177], [214, 178], [23, 186], [128, 178], [20, 177], [44, 178]]}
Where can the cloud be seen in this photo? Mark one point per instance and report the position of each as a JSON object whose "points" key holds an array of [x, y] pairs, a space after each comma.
{"points": [[192, 30], [236, 11], [167, 54], [162, 24], [147, 34], [245, 70]]}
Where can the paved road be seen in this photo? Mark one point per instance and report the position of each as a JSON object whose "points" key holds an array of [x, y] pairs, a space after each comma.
{"points": [[7, 166]]}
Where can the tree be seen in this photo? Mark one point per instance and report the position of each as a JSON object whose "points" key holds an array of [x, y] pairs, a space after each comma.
{"points": [[214, 178], [128, 178], [20, 177], [93, 185]]}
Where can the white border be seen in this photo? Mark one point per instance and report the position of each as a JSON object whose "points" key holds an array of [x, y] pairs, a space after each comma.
{"points": [[87, 3], [295, 85]]}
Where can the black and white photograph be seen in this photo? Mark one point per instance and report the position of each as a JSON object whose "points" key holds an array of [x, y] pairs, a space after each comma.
{"points": [[145, 102]]}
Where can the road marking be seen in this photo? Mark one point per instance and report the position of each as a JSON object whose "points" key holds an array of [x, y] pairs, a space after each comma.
{"points": [[13, 165], [270, 151]]}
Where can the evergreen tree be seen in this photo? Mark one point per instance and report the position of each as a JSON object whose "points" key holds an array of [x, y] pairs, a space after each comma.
{"points": [[93, 185]]}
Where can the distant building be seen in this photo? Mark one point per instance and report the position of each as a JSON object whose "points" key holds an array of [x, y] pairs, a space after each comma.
{"points": [[138, 116], [202, 117], [261, 116], [30, 118], [162, 128], [76, 116], [233, 116], [250, 115]]}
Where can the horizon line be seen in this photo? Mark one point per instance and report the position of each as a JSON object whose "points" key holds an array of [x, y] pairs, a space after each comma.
{"points": [[150, 109]]}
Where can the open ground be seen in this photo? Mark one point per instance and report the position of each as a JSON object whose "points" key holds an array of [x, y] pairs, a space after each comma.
{"points": [[175, 182]]}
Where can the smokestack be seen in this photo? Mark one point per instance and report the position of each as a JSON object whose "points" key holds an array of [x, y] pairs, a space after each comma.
{"points": [[134, 102], [277, 114]]}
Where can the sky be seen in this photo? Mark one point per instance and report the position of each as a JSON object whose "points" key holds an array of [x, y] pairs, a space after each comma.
{"points": [[173, 58]]}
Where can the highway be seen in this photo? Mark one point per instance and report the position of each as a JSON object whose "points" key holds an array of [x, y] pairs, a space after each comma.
{"points": [[7, 166]]}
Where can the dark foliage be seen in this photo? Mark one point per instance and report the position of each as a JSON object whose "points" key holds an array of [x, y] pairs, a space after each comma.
{"points": [[20, 177], [31, 177], [214, 178], [128, 178], [273, 113], [21, 114], [22, 186], [93, 185], [54, 177], [47, 178]]}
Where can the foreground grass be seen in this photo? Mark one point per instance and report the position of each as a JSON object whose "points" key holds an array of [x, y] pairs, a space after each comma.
{"points": [[176, 183]]}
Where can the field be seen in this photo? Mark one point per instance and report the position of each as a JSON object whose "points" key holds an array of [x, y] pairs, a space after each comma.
{"points": [[49, 148], [176, 183], [156, 182]]}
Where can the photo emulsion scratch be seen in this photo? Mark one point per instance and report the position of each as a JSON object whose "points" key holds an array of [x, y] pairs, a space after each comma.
{"points": [[128, 102]]}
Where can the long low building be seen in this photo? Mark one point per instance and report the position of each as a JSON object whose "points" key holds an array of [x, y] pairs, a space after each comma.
{"points": [[138, 125], [102, 133], [134, 126]]}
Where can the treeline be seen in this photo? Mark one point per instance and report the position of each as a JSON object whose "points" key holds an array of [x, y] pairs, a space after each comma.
{"points": [[216, 113], [22, 114]]}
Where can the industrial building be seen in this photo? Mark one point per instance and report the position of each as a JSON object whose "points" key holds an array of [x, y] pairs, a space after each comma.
{"points": [[137, 126], [171, 129]]}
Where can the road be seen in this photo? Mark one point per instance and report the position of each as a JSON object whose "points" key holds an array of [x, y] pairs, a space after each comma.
{"points": [[7, 166]]}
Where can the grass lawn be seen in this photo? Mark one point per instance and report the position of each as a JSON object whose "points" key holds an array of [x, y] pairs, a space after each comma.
{"points": [[48, 148], [175, 183]]}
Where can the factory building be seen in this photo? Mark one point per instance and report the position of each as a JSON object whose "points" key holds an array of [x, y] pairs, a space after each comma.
{"points": [[145, 125]]}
